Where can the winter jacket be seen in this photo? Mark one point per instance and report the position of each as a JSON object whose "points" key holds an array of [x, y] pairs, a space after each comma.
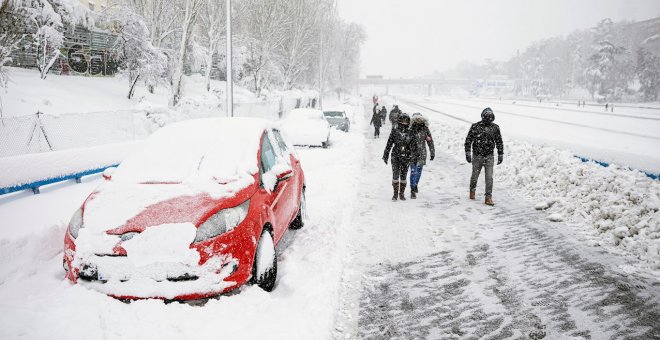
{"points": [[402, 144], [383, 115], [376, 120], [394, 116], [483, 138], [420, 129]]}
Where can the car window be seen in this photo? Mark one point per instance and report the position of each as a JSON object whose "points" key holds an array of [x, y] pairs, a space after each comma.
{"points": [[280, 142], [268, 156]]}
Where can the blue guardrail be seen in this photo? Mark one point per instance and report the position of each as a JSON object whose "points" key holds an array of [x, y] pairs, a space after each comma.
{"points": [[605, 165], [34, 186]]}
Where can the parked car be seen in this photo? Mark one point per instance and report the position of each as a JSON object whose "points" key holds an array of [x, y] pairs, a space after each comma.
{"points": [[307, 127], [338, 119], [196, 212]]}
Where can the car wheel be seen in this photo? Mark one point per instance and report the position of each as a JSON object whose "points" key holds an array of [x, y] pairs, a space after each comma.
{"points": [[264, 270], [299, 221], [325, 144]]}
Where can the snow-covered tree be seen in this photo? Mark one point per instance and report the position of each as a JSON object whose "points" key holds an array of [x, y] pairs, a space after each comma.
{"points": [[139, 58], [48, 19], [211, 30], [300, 38], [648, 74], [261, 31], [190, 10]]}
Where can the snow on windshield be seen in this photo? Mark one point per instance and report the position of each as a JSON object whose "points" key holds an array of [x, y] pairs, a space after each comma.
{"points": [[222, 149]]}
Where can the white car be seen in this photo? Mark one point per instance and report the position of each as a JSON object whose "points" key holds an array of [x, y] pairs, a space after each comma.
{"points": [[307, 127]]}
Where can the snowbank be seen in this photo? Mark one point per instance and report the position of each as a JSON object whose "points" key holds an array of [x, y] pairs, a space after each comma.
{"points": [[620, 204]]}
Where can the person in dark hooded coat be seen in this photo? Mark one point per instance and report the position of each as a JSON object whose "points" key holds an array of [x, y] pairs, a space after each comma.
{"points": [[376, 121], [403, 146], [419, 126], [481, 141], [394, 116]]}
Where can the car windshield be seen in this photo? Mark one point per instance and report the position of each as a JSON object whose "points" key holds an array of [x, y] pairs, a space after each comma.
{"points": [[333, 114], [201, 149]]}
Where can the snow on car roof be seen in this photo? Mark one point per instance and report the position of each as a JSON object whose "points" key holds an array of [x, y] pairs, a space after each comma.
{"points": [[209, 148], [305, 113]]}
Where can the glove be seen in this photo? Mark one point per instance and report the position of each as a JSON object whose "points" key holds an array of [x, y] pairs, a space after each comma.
{"points": [[385, 159], [500, 158], [432, 156], [468, 157]]}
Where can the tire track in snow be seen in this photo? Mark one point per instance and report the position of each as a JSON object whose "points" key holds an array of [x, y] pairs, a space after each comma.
{"points": [[479, 272]]}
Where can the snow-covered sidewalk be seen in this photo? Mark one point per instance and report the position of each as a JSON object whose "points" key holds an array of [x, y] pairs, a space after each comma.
{"points": [[443, 266]]}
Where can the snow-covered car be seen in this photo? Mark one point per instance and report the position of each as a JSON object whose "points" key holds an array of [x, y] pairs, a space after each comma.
{"points": [[338, 119], [196, 212], [306, 127]]}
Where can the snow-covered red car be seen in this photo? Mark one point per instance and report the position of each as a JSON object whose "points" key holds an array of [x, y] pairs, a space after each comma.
{"points": [[307, 127], [196, 212]]}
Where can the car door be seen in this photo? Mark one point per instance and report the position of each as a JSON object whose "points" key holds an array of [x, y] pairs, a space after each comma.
{"points": [[279, 200], [295, 181]]}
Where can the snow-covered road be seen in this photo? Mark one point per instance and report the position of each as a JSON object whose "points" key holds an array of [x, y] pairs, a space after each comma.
{"points": [[438, 267], [443, 266]]}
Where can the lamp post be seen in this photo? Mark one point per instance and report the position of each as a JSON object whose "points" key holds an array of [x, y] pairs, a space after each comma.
{"points": [[229, 80]]}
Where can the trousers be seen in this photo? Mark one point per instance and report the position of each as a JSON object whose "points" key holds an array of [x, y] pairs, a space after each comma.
{"points": [[479, 162]]}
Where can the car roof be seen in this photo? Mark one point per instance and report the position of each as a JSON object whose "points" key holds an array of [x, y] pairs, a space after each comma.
{"points": [[220, 148]]}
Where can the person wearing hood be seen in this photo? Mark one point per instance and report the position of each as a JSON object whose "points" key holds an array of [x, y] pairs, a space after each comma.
{"points": [[376, 121], [481, 141], [394, 116], [403, 146], [419, 127]]}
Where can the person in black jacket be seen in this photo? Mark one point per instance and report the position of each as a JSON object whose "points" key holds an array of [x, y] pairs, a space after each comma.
{"points": [[376, 121], [403, 145], [481, 140], [394, 115]]}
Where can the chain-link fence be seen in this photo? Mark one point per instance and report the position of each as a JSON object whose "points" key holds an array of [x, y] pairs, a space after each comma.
{"points": [[42, 132]]}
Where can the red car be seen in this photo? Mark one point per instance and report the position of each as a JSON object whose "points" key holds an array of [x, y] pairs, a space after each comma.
{"points": [[196, 212]]}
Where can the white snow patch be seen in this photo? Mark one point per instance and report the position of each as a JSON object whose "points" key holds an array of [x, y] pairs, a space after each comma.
{"points": [[163, 243]]}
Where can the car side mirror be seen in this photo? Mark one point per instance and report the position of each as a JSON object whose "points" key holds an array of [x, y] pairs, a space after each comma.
{"points": [[107, 173]]}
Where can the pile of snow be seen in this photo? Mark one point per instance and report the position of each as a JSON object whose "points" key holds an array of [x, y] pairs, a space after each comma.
{"points": [[220, 149], [24, 169], [622, 205]]}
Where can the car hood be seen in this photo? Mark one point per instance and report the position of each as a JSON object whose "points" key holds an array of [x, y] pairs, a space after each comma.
{"points": [[119, 207]]}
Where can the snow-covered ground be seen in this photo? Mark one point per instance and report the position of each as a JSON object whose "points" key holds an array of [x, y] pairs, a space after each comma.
{"points": [[33, 291], [441, 266], [627, 136]]}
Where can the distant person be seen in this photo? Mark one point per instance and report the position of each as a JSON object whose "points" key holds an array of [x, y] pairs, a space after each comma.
{"points": [[480, 143], [404, 148], [419, 126], [394, 116], [606, 105], [375, 99], [376, 121], [383, 115], [612, 108]]}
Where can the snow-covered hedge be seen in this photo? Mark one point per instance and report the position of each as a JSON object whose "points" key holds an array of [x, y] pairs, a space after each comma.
{"points": [[621, 204]]}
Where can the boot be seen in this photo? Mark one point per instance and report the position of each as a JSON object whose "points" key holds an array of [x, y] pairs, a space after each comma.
{"points": [[413, 193], [489, 200], [402, 191], [396, 191], [472, 195]]}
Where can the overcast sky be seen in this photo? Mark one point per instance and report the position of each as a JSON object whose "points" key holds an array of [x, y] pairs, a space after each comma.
{"points": [[408, 38]]}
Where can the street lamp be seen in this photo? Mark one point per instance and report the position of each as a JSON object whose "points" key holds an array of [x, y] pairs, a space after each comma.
{"points": [[229, 80]]}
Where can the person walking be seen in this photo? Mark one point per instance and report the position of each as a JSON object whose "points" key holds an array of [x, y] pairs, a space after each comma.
{"points": [[419, 126], [376, 121], [394, 114], [383, 115], [480, 142], [404, 148]]}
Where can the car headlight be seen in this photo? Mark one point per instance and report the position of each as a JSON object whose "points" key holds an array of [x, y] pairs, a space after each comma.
{"points": [[76, 223], [223, 221]]}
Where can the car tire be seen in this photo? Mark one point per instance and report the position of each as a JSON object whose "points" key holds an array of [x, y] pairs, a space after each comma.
{"points": [[325, 144], [264, 269], [299, 221]]}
